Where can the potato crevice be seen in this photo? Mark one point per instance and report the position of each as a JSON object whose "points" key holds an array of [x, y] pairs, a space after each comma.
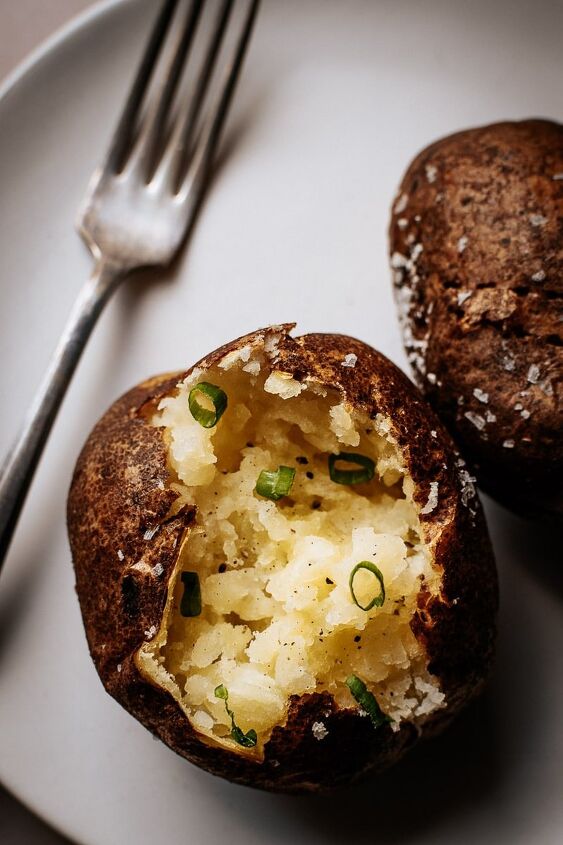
{"points": [[278, 618]]}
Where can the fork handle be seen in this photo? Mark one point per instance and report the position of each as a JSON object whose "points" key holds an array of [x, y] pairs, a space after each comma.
{"points": [[21, 462]]}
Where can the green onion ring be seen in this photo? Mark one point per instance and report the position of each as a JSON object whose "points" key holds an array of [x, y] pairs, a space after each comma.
{"points": [[275, 485], [203, 415], [247, 740], [351, 476], [367, 701], [190, 604], [371, 567]]}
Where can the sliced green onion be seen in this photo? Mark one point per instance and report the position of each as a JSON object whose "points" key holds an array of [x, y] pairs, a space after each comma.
{"points": [[275, 485], [247, 740], [351, 476], [380, 597], [211, 395], [367, 701], [190, 604]]}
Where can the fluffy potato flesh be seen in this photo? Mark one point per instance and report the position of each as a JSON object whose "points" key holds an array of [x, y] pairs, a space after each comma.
{"points": [[278, 618]]}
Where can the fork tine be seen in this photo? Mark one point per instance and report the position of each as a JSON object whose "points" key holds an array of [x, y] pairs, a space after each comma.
{"points": [[121, 140], [192, 185], [184, 130], [151, 139]]}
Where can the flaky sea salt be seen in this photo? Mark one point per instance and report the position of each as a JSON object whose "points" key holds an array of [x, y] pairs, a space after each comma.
{"points": [[319, 730], [481, 395], [398, 261], [349, 360], [477, 420], [533, 374], [431, 172], [539, 276], [508, 444], [149, 533], [462, 243], [463, 296], [157, 570], [401, 203], [431, 378], [120, 555], [537, 219]]}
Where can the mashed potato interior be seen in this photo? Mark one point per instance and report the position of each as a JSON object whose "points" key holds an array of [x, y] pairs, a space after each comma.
{"points": [[278, 618]]}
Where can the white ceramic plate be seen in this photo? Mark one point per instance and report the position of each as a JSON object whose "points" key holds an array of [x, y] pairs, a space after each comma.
{"points": [[335, 99]]}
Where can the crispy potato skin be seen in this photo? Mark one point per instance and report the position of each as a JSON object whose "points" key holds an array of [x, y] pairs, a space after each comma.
{"points": [[480, 297], [119, 490]]}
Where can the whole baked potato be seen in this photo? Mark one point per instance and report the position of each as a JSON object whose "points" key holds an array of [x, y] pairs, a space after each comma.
{"points": [[476, 243], [282, 564]]}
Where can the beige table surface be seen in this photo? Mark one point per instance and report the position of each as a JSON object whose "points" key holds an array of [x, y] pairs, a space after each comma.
{"points": [[23, 25]]}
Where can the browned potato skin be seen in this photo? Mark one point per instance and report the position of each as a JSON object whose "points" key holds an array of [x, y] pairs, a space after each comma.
{"points": [[488, 185], [115, 497]]}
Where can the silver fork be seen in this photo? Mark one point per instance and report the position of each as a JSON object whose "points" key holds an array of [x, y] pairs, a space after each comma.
{"points": [[142, 201]]}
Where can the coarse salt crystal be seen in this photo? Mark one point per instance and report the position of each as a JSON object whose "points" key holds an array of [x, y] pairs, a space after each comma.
{"points": [[525, 414], [539, 276], [557, 176], [537, 219], [462, 243], [149, 634], [477, 420], [120, 555], [402, 222], [431, 172], [350, 360], [149, 533], [533, 374], [431, 378], [433, 433], [401, 203], [398, 260], [119, 667], [158, 569], [319, 730], [481, 395], [462, 296], [415, 252], [490, 417], [508, 444], [508, 363]]}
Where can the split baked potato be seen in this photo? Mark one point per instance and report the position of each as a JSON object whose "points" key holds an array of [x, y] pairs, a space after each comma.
{"points": [[282, 563], [476, 243]]}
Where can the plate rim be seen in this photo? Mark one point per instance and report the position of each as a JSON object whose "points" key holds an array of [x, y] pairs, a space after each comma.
{"points": [[75, 25]]}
